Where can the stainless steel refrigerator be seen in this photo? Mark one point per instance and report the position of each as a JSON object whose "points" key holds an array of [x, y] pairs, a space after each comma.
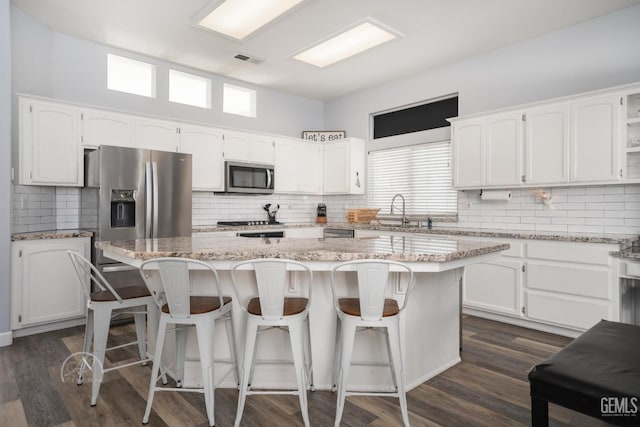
{"points": [[136, 194]]}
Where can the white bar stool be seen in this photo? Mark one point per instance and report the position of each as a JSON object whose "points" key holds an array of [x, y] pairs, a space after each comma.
{"points": [[273, 309], [371, 309], [100, 309], [179, 306]]}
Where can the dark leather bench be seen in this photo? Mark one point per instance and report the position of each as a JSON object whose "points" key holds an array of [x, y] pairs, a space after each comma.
{"points": [[598, 374]]}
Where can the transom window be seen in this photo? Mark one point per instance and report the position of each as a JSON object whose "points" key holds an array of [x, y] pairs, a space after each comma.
{"points": [[239, 100], [131, 76], [185, 88]]}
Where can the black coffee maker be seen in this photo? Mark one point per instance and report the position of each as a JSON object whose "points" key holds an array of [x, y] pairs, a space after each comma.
{"points": [[272, 210], [322, 214]]}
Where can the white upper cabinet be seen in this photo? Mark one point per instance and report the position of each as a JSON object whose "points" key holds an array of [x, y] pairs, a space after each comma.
{"points": [[246, 147], [468, 153], [154, 134], [547, 144], [50, 152], [487, 151], [343, 166], [595, 124], [106, 128], [577, 140], [298, 167], [503, 147], [206, 146]]}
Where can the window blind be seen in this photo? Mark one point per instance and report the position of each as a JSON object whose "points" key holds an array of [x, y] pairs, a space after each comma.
{"points": [[421, 173]]}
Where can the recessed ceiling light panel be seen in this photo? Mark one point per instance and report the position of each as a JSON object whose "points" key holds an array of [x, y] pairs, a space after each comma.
{"points": [[240, 18], [346, 44]]}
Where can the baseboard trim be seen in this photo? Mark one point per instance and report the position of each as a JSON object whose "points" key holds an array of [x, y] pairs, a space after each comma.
{"points": [[6, 338], [48, 327], [525, 323]]}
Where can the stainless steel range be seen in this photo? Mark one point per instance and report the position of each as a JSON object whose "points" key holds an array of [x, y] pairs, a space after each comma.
{"points": [[256, 233]]}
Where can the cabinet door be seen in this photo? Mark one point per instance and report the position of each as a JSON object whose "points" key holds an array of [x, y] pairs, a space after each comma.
{"points": [[262, 150], [237, 146], [156, 134], [547, 145], [206, 146], [335, 170], [494, 286], [311, 170], [298, 167], [468, 153], [594, 139], [287, 159], [503, 149], [357, 164], [45, 286], [567, 311], [50, 150], [105, 128]]}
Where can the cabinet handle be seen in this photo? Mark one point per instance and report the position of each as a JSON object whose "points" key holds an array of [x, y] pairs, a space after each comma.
{"points": [[20, 253], [19, 318], [523, 178], [358, 179], [524, 268], [620, 173], [523, 310]]}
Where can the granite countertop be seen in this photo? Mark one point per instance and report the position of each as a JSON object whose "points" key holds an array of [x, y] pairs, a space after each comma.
{"points": [[629, 253], [408, 249], [618, 239], [54, 234]]}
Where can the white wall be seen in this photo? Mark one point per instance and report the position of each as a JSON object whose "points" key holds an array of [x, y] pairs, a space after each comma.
{"points": [[5, 162], [592, 55], [52, 64]]}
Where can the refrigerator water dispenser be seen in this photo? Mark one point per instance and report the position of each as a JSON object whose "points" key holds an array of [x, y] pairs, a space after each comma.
{"points": [[123, 209]]}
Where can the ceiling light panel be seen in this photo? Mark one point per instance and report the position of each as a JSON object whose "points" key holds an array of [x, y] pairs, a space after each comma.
{"points": [[346, 44], [240, 18]]}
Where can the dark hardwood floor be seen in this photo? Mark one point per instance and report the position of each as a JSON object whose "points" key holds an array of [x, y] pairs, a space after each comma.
{"points": [[489, 388]]}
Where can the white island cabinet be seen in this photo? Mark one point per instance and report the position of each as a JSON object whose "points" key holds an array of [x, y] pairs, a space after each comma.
{"points": [[431, 328], [44, 284]]}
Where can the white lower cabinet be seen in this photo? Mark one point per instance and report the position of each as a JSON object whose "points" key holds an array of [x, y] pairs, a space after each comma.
{"points": [[494, 286], [564, 287], [44, 284]]}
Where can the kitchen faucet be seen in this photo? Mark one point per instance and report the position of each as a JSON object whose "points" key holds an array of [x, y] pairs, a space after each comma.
{"points": [[404, 220]]}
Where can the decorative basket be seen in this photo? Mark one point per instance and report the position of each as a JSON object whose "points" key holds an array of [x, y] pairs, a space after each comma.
{"points": [[363, 216]]}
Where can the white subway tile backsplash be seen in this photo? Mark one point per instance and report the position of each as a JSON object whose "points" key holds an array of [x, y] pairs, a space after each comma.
{"points": [[586, 214], [611, 209], [552, 227]]}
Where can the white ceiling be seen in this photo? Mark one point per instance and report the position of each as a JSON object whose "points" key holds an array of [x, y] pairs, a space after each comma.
{"points": [[436, 32]]}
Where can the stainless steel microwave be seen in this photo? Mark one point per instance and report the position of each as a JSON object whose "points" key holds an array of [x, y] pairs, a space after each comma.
{"points": [[248, 178]]}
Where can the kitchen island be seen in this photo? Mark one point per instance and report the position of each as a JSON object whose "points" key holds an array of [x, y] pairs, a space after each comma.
{"points": [[432, 322]]}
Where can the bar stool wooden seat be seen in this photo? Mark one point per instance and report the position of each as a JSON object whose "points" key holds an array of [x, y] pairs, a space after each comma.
{"points": [[273, 309], [372, 309], [178, 306], [102, 305]]}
